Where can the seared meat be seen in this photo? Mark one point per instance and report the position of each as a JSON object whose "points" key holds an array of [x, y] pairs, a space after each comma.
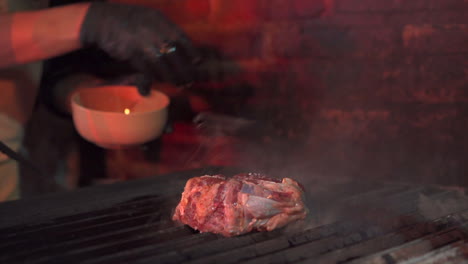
{"points": [[241, 204]]}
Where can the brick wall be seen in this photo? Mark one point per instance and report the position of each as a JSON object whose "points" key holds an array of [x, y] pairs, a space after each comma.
{"points": [[375, 88]]}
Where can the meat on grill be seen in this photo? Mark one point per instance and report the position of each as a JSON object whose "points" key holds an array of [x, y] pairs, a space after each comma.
{"points": [[241, 204]]}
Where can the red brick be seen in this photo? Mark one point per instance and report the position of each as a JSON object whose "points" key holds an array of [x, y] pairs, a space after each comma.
{"points": [[150, 3], [320, 40], [181, 11], [413, 125], [438, 39], [308, 8], [276, 9], [375, 19], [231, 44], [424, 79], [389, 145], [363, 82], [374, 42], [353, 123], [392, 5], [250, 71], [292, 9], [215, 71], [281, 40], [187, 11], [235, 12]]}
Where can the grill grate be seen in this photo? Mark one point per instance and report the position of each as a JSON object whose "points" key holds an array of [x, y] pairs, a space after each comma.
{"points": [[390, 227]]}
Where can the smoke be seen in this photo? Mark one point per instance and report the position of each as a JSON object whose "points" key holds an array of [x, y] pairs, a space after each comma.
{"points": [[434, 208], [332, 195]]}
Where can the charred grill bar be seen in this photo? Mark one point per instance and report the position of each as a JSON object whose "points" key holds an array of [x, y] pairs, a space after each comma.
{"points": [[131, 223]]}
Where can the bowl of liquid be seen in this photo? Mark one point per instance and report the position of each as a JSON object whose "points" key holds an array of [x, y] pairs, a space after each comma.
{"points": [[115, 117]]}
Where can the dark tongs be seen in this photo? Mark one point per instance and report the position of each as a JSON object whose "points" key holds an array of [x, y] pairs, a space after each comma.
{"points": [[20, 158]]}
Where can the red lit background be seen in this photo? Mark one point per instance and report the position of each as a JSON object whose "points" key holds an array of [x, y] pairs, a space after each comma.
{"points": [[354, 88]]}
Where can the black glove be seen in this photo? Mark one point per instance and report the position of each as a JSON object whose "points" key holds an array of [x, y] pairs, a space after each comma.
{"points": [[155, 47]]}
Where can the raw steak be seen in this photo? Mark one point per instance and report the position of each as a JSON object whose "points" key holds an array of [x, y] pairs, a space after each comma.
{"points": [[241, 204]]}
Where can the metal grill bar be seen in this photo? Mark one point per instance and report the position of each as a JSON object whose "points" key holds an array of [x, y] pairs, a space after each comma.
{"points": [[112, 248], [84, 218], [338, 244], [152, 249], [140, 231], [451, 253], [381, 243]]}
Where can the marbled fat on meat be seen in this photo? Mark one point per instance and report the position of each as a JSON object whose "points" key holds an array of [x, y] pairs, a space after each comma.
{"points": [[241, 204]]}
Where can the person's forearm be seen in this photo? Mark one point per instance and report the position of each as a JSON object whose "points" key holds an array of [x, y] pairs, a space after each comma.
{"points": [[36, 35]]}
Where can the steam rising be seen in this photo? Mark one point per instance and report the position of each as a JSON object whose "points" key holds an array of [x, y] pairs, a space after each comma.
{"points": [[432, 208], [331, 197]]}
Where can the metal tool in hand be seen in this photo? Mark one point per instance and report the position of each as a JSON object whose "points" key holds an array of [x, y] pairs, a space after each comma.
{"points": [[18, 157], [24, 161]]}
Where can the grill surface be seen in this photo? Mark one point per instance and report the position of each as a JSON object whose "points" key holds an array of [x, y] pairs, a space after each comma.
{"points": [[361, 224]]}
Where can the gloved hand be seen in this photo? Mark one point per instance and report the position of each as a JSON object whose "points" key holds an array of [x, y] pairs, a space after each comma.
{"points": [[155, 47]]}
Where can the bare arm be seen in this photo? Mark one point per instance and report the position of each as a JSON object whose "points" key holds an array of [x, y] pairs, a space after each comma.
{"points": [[36, 35]]}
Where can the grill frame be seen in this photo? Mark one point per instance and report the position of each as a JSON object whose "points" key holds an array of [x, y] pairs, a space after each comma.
{"points": [[131, 224]]}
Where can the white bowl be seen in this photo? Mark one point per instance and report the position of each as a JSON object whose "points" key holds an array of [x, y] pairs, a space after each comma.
{"points": [[116, 117]]}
